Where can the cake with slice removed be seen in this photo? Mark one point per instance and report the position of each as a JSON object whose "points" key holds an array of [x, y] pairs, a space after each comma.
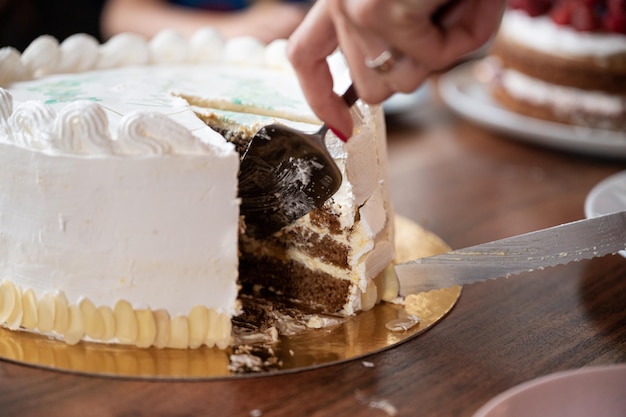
{"points": [[119, 210]]}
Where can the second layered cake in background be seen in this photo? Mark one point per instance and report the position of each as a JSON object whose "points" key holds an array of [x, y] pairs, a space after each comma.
{"points": [[563, 61]]}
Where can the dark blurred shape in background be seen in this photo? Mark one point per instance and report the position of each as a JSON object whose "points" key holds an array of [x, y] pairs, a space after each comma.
{"points": [[21, 21]]}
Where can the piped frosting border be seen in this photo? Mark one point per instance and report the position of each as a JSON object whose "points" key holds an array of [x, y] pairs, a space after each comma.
{"points": [[53, 315]]}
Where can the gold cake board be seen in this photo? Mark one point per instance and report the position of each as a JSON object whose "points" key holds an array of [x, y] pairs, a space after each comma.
{"points": [[355, 337]]}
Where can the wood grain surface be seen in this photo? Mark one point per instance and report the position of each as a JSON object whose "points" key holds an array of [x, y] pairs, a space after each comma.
{"points": [[467, 185]]}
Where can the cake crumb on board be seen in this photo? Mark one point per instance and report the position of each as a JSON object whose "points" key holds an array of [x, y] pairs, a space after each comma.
{"points": [[377, 403]]}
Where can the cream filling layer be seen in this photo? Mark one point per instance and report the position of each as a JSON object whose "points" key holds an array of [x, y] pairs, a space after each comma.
{"points": [[368, 257], [561, 99]]}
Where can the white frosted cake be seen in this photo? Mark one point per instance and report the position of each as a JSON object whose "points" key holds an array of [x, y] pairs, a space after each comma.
{"points": [[550, 64], [119, 214]]}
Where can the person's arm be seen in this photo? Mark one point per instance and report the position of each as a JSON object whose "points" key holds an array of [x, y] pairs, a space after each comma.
{"points": [[390, 46], [264, 20]]}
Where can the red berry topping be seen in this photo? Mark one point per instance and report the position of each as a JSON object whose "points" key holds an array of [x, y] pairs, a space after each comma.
{"points": [[561, 13], [582, 15], [583, 18], [532, 7], [616, 7], [615, 23]]}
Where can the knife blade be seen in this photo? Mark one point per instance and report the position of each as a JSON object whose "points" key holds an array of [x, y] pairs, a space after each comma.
{"points": [[558, 245]]}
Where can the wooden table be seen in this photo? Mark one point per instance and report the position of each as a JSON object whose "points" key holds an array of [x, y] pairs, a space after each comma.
{"points": [[467, 185]]}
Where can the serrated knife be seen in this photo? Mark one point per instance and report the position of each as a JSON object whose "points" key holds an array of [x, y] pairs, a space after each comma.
{"points": [[558, 245]]}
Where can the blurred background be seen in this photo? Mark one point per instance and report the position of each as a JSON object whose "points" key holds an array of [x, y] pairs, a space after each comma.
{"points": [[21, 21]]}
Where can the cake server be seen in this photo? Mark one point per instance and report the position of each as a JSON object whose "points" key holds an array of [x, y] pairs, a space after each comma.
{"points": [[559, 245], [285, 174]]}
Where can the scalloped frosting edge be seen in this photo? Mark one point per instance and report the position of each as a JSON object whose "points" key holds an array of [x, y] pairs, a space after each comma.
{"points": [[27, 124], [54, 316], [81, 128], [81, 52]]}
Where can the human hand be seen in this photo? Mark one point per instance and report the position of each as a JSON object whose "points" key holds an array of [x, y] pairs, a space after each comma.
{"points": [[390, 46]]}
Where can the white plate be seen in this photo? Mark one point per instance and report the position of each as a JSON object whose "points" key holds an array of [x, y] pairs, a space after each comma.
{"points": [[608, 196], [595, 391], [464, 94], [401, 103]]}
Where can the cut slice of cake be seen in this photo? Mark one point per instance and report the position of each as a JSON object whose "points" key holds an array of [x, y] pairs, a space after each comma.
{"points": [[329, 258]]}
